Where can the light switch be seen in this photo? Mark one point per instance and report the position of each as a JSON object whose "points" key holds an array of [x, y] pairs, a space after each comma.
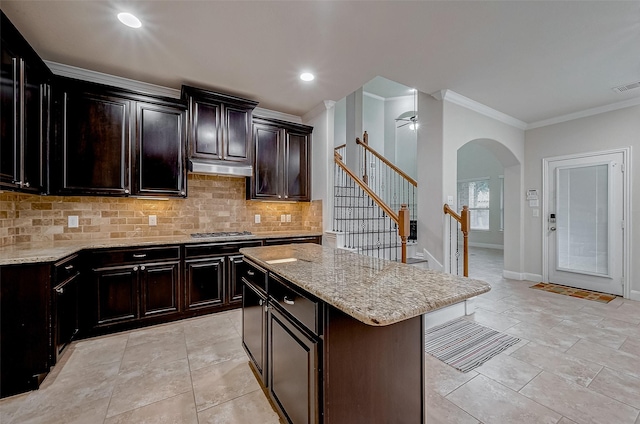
{"points": [[256, 218], [73, 221], [153, 220], [536, 213]]}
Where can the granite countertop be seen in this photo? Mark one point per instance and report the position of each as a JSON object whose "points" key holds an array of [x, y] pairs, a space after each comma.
{"points": [[374, 291], [51, 251]]}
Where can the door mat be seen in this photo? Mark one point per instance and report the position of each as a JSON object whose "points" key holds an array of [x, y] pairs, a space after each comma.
{"points": [[574, 292], [466, 345]]}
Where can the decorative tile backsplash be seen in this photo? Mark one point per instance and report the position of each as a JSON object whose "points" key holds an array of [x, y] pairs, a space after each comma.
{"points": [[215, 203]]}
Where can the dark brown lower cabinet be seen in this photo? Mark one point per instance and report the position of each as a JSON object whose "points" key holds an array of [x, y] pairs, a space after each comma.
{"points": [[65, 304], [116, 289], [235, 279], [254, 326], [159, 286], [292, 370], [204, 282]]}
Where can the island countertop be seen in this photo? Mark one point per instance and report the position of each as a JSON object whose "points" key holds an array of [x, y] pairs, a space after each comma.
{"points": [[374, 291]]}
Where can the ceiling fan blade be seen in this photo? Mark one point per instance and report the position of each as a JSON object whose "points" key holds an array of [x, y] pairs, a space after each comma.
{"points": [[403, 125]]}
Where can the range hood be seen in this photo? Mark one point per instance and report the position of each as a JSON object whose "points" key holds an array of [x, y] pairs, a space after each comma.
{"points": [[216, 168]]}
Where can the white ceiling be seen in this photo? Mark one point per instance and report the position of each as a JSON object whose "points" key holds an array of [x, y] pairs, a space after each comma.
{"points": [[533, 60]]}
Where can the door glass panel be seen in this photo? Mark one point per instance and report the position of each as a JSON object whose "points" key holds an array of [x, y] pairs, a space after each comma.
{"points": [[582, 219]]}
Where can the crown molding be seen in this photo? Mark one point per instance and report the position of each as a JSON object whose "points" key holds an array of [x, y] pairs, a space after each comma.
{"points": [[373, 96], [320, 108], [144, 87], [101, 78], [585, 113], [460, 100]]}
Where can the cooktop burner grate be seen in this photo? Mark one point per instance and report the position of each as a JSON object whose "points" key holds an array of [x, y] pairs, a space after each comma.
{"points": [[222, 234]]}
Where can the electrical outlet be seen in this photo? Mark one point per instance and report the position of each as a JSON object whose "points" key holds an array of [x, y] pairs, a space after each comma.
{"points": [[450, 200], [73, 221], [153, 220], [288, 217], [536, 213], [283, 218], [256, 218]]}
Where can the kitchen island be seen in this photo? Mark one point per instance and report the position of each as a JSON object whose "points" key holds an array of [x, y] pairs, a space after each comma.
{"points": [[336, 337]]}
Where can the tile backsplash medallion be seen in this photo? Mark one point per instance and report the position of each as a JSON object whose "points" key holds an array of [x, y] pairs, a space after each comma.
{"points": [[215, 203]]}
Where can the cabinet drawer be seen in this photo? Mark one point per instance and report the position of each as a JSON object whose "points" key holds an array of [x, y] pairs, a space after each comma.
{"points": [[300, 306], [215, 249], [66, 268], [255, 275], [307, 239], [125, 256]]}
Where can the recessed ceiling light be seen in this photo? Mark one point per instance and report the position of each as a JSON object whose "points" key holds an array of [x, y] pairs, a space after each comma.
{"points": [[129, 20], [306, 76]]}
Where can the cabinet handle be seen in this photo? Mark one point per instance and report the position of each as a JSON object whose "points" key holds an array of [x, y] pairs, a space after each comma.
{"points": [[288, 301], [286, 196], [260, 302], [139, 255], [26, 184], [251, 273], [126, 191], [60, 290], [183, 193], [68, 267], [142, 268], [18, 183], [279, 197], [135, 268]]}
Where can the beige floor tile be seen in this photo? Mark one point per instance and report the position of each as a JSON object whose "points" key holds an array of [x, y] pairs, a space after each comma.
{"points": [[142, 387], [493, 320], [576, 402], [632, 346], [591, 333], [515, 347], [491, 305], [619, 386], [494, 403], [222, 382], [533, 315], [214, 329], [180, 409], [10, 406], [543, 335], [610, 358], [442, 411], [572, 368], [87, 412], [166, 333], [209, 353], [628, 314], [442, 378], [509, 371], [619, 327], [566, 420], [156, 352], [250, 408], [93, 352]]}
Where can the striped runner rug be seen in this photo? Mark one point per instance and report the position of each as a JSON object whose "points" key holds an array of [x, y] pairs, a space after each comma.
{"points": [[466, 345]]}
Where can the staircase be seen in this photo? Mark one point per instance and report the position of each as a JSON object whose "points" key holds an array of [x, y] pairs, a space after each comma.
{"points": [[372, 213]]}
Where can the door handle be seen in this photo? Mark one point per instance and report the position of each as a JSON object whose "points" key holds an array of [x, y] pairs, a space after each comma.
{"points": [[139, 255], [552, 228], [288, 301]]}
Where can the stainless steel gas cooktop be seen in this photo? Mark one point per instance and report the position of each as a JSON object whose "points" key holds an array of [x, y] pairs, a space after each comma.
{"points": [[222, 234]]}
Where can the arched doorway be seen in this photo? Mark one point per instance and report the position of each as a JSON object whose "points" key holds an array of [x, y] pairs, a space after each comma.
{"points": [[488, 180]]}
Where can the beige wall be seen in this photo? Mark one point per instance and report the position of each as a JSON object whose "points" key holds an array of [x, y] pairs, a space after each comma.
{"points": [[214, 204]]}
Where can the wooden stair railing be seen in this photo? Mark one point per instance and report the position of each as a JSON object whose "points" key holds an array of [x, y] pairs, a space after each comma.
{"points": [[465, 226], [401, 218], [365, 145]]}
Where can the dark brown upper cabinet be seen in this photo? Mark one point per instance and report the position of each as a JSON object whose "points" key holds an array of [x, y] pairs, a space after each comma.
{"points": [[24, 121], [219, 126], [282, 161], [111, 141]]}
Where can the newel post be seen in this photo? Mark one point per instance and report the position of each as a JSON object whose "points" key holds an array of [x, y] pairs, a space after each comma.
{"points": [[404, 229]]}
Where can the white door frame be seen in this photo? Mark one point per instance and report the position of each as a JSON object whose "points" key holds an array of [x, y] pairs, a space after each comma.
{"points": [[626, 211]]}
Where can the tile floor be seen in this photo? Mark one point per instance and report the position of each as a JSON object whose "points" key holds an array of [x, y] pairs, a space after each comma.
{"points": [[578, 362]]}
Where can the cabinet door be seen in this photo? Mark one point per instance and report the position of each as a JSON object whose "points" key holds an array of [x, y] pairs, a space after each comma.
{"points": [[95, 145], [66, 313], [9, 146], [293, 370], [35, 127], [296, 166], [159, 151], [254, 326], [237, 136], [204, 283], [235, 279], [116, 289], [159, 286], [206, 134], [266, 181]]}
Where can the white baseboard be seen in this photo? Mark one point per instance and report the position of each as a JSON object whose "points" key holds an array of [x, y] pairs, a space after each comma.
{"points": [[520, 276], [634, 295], [487, 245], [431, 319], [433, 263]]}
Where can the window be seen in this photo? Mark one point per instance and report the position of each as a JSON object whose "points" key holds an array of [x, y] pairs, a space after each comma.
{"points": [[475, 194]]}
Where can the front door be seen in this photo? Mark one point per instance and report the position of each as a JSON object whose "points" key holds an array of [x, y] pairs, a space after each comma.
{"points": [[584, 225]]}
